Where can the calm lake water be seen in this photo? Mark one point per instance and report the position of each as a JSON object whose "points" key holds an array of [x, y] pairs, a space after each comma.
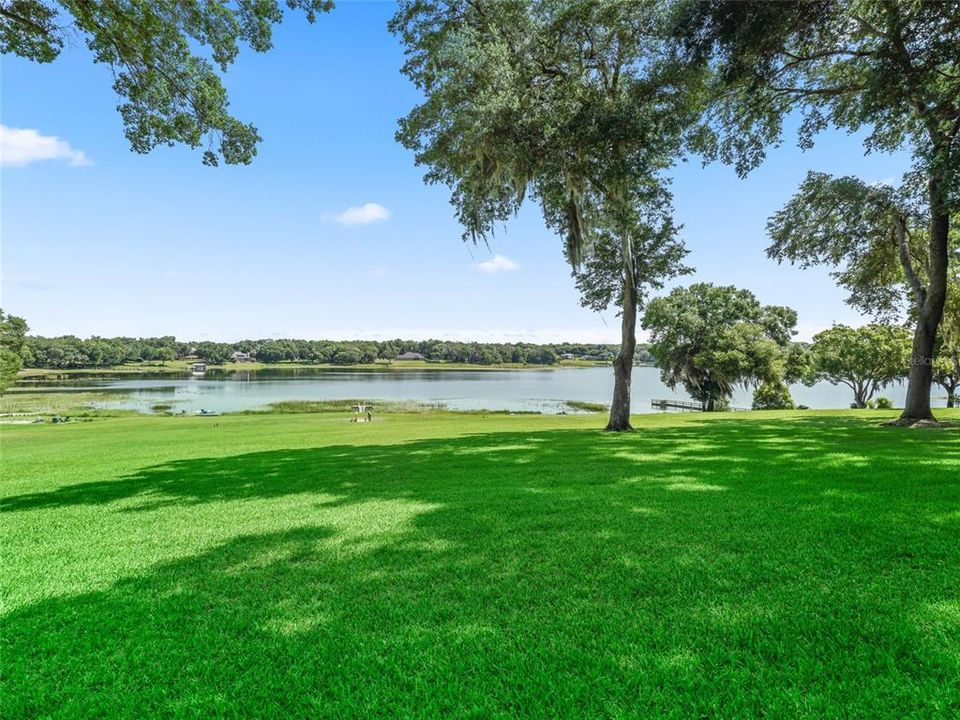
{"points": [[518, 390]]}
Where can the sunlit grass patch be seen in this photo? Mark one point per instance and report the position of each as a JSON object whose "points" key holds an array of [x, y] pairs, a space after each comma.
{"points": [[437, 565]]}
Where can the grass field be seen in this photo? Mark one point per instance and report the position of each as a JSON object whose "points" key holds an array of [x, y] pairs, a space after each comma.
{"points": [[775, 565]]}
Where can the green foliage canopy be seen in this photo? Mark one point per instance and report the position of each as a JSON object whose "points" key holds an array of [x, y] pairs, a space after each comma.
{"points": [[164, 57], [567, 100], [573, 104], [13, 331], [865, 359], [709, 339], [772, 395], [69, 352], [891, 67], [946, 372], [874, 237]]}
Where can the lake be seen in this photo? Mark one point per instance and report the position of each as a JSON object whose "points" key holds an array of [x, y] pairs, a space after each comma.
{"points": [[544, 391]]}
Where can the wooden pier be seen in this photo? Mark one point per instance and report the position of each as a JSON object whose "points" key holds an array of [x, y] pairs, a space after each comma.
{"points": [[686, 406], [678, 405]]}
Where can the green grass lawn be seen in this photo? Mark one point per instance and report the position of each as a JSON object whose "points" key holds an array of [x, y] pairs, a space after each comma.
{"points": [[774, 565]]}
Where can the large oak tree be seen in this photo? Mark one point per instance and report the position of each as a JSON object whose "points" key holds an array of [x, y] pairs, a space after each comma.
{"points": [[570, 104], [865, 359], [889, 66], [709, 339], [875, 237]]}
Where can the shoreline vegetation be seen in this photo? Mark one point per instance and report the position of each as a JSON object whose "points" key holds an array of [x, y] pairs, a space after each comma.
{"points": [[23, 407], [70, 353], [393, 407], [26, 405], [183, 367]]}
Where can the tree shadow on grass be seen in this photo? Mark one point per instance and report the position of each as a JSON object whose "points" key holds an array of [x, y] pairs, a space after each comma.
{"points": [[725, 568], [720, 450]]}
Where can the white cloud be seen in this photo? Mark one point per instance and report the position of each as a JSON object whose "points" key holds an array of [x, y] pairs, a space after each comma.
{"points": [[498, 263], [22, 146], [362, 214]]}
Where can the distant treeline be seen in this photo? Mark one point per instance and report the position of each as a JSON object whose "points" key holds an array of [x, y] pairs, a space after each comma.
{"points": [[73, 352]]}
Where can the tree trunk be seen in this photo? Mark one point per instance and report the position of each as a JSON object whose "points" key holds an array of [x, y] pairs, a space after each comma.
{"points": [[857, 388], [930, 312], [951, 387], [623, 365]]}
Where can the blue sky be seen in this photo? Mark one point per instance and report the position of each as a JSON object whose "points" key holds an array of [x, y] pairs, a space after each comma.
{"points": [[104, 241]]}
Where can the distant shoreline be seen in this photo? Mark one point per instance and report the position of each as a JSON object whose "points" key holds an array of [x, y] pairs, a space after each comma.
{"points": [[182, 367]]}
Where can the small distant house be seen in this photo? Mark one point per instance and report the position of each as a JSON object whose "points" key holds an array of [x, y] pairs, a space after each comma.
{"points": [[567, 356], [241, 357], [410, 356], [198, 368]]}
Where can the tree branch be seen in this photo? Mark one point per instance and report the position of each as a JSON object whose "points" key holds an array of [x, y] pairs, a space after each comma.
{"points": [[133, 61], [843, 52], [903, 249], [955, 129], [869, 28], [25, 22], [826, 92]]}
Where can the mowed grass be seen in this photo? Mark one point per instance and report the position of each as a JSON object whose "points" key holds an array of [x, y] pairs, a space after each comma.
{"points": [[751, 565]]}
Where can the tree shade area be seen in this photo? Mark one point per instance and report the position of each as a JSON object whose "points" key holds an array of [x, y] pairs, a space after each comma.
{"points": [[439, 565]]}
